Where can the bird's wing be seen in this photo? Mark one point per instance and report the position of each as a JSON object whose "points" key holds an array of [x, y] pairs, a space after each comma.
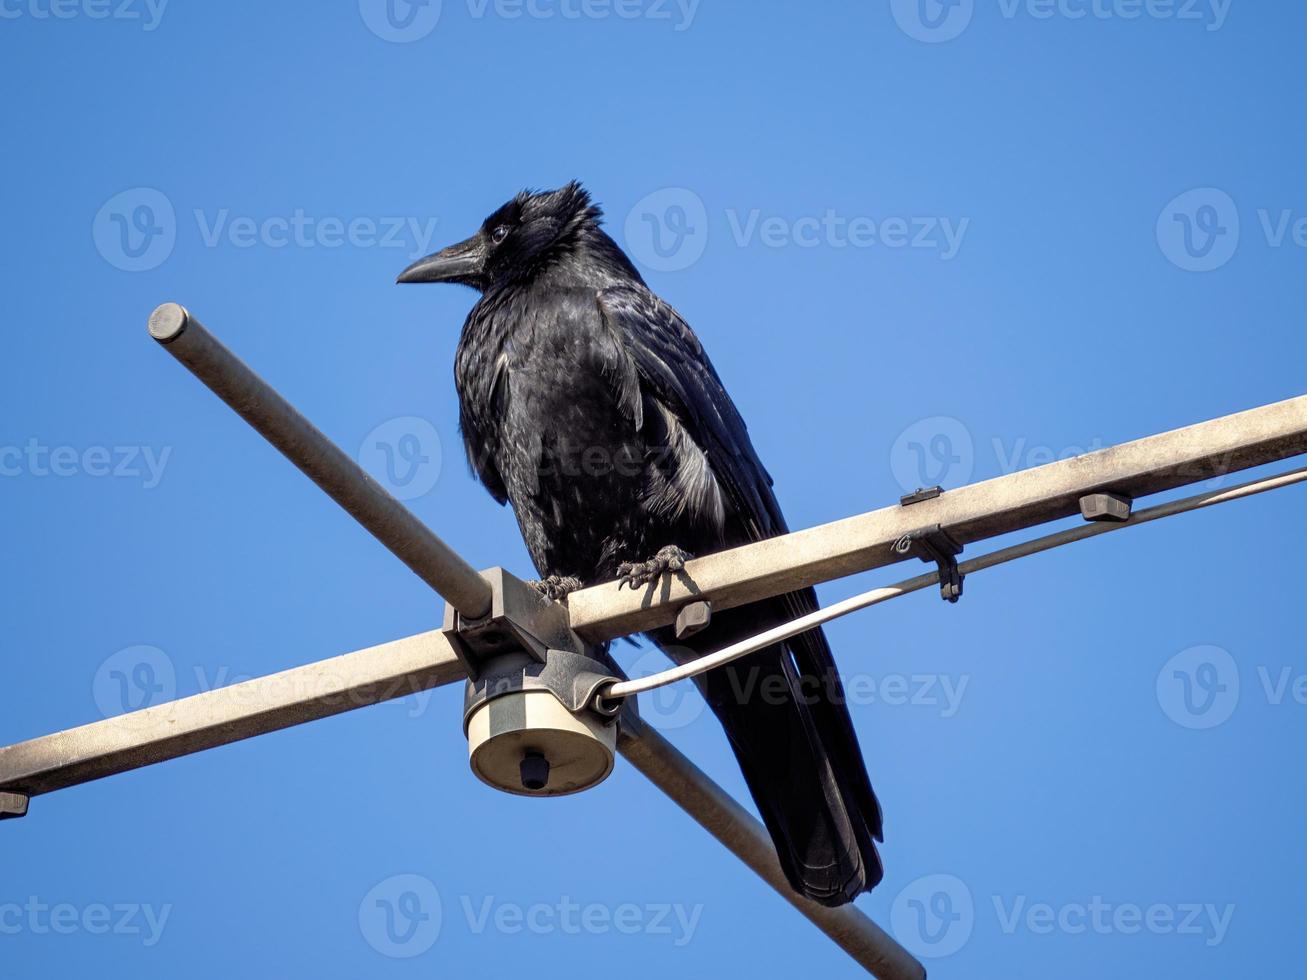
{"points": [[674, 369], [672, 365]]}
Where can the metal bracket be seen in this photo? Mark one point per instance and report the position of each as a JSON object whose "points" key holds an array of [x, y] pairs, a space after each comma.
{"points": [[13, 805], [525, 643], [573, 678], [1106, 507], [934, 544], [693, 618], [534, 723], [520, 620]]}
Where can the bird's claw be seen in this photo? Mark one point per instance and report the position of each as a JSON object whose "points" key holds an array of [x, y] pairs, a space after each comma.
{"points": [[639, 573], [557, 587]]}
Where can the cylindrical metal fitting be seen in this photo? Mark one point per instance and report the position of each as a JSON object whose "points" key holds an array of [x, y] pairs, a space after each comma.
{"points": [[527, 743]]}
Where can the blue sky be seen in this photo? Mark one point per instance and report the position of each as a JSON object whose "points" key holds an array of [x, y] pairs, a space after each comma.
{"points": [[923, 243]]}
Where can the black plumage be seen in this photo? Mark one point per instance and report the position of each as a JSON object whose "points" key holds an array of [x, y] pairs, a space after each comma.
{"points": [[589, 404]]}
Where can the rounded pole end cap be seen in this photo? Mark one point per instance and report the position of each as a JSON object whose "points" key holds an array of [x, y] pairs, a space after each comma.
{"points": [[168, 322]]}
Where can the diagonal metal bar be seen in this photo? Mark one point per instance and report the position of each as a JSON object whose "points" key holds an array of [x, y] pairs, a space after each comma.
{"points": [[217, 718], [971, 513], [718, 812], [341, 477]]}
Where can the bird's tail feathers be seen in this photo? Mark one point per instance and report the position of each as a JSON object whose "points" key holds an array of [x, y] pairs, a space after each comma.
{"points": [[787, 723]]}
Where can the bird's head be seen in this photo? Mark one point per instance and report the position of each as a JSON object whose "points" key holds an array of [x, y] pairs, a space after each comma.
{"points": [[525, 235]]}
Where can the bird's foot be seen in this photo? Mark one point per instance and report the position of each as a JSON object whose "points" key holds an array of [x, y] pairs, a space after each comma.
{"points": [[636, 574], [556, 587]]}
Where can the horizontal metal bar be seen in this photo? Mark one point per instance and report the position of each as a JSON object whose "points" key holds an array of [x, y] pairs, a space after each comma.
{"points": [[691, 789], [971, 513], [370, 676], [874, 597], [339, 475], [229, 714]]}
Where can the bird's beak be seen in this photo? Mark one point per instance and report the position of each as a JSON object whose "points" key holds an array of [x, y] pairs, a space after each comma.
{"points": [[464, 262]]}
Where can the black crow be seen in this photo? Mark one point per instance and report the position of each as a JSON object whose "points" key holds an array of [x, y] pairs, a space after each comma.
{"points": [[589, 404]]}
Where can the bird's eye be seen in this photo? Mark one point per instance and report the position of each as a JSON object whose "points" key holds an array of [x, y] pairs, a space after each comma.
{"points": [[499, 234]]}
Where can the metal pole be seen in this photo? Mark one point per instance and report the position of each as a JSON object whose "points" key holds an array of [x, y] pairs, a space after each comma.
{"points": [[343, 479], [972, 513], [229, 714], [370, 676], [718, 813]]}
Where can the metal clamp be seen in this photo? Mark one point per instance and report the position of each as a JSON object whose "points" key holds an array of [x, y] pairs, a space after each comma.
{"points": [[1104, 506], [13, 805], [934, 544], [533, 721]]}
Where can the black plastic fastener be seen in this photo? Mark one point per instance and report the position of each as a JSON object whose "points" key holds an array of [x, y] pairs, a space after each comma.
{"points": [[920, 494], [534, 768], [933, 544]]}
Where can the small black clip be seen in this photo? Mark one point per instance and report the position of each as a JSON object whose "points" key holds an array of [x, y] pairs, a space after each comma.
{"points": [[919, 495], [934, 544]]}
